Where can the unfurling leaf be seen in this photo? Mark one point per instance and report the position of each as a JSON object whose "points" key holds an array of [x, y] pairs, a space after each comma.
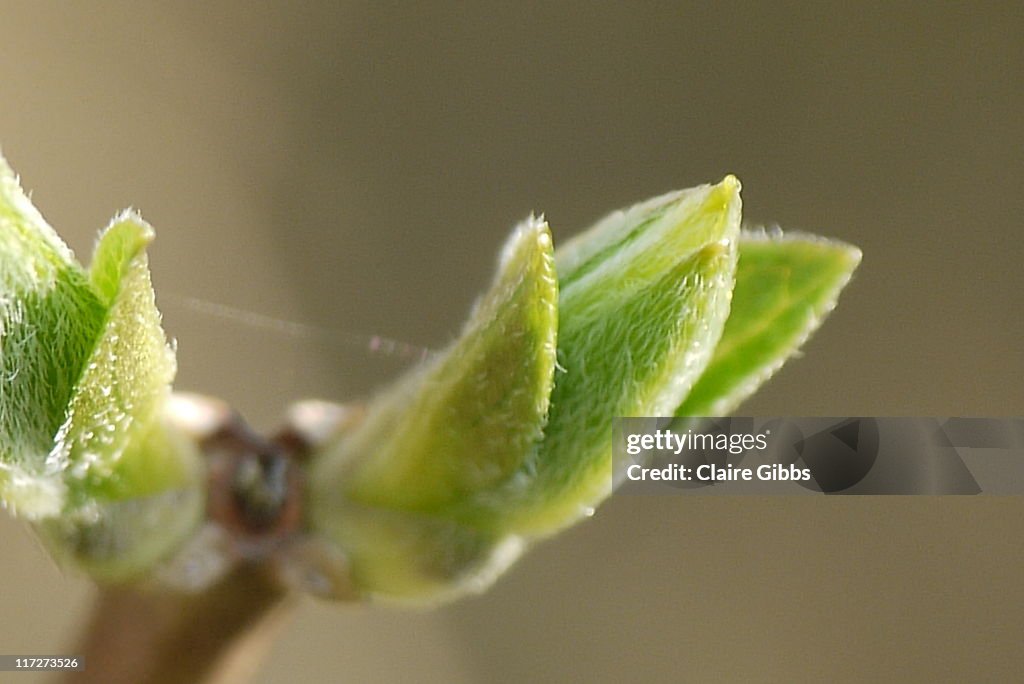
{"points": [[49, 320], [84, 450], [644, 296], [439, 490], [467, 421], [459, 426], [442, 480], [785, 286]]}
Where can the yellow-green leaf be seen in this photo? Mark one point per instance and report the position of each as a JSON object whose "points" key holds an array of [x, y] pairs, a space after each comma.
{"points": [[85, 372], [785, 286], [458, 427], [644, 297], [49, 320]]}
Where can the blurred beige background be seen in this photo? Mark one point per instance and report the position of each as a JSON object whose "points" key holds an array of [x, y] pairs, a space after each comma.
{"points": [[355, 166]]}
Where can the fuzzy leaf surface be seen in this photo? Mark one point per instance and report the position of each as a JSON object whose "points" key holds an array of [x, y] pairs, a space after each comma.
{"points": [[785, 287]]}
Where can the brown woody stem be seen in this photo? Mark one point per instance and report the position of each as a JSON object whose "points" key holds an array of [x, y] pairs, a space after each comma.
{"points": [[149, 636]]}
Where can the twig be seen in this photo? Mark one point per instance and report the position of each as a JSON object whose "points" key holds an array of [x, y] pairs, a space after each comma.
{"points": [[149, 636], [148, 633]]}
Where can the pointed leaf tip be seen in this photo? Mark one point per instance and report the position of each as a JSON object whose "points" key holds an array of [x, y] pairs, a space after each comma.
{"points": [[450, 431], [118, 245], [469, 418], [785, 287], [645, 294], [85, 371]]}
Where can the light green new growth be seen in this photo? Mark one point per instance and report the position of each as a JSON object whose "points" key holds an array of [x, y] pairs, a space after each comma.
{"points": [[86, 370], [460, 426], [785, 286], [663, 309], [49, 319], [113, 445], [467, 421], [644, 297], [655, 317]]}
